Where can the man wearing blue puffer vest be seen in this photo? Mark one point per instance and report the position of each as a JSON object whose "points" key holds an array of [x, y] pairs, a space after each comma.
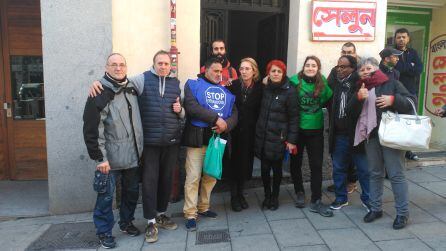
{"points": [[209, 107]]}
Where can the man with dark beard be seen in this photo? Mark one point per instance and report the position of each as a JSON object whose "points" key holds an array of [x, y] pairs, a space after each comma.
{"points": [[219, 51]]}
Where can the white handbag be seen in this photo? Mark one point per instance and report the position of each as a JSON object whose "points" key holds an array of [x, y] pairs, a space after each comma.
{"points": [[405, 132]]}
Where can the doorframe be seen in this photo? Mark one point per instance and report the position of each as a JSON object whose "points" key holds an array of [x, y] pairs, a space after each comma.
{"points": [[421, 17], [5, 78], [7, 95], [227, 7]]}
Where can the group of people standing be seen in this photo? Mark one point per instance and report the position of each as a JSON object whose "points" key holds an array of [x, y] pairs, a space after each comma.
{"points": [[277, 117]]}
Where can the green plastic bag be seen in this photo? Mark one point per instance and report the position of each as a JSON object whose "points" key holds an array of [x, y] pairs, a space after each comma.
{"points": [[213, 160]]}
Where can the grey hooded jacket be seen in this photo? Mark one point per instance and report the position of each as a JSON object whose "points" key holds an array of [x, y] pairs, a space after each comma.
{"points": [[112, 126]]}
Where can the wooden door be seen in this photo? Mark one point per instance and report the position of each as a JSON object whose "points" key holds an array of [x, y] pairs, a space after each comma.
{"points": [[22, 88]]}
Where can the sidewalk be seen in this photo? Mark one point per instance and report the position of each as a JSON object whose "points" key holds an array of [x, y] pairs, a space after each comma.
{"points": [[288, 228]]}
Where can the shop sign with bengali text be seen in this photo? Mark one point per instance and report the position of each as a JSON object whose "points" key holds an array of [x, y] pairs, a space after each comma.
{"points": [[343, 21], [436, 75]]}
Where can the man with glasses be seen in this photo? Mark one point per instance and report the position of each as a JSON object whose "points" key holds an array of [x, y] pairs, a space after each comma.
{"points": [[348, 48], [341, 134], [113, 135], [161, 111]]}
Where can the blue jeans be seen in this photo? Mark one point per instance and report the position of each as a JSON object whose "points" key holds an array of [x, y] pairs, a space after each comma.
{"points": [[103, 211], [342, 156]]}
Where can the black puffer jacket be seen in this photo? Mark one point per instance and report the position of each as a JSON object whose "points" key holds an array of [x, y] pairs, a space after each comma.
{"points": [[278, 121], [161, 125]]}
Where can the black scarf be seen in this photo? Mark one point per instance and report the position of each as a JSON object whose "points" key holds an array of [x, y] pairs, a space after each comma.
{"points": [[116, 82], [342, 95]]}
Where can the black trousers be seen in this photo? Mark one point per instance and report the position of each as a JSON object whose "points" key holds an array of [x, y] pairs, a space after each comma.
{"points": [[266, 166], [159, 163], [313, 142]]}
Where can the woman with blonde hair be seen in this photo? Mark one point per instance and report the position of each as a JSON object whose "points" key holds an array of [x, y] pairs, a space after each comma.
{"points": [[248, 93]]}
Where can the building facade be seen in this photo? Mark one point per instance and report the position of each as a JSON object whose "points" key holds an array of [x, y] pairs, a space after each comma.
{"points": [[53, 50]]}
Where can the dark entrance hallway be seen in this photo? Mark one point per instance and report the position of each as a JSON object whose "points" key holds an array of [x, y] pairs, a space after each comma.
{"points": [[257, 29]]}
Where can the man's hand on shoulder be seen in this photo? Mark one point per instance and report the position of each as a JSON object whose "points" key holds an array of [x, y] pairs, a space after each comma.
{"points": [[95, 89]]}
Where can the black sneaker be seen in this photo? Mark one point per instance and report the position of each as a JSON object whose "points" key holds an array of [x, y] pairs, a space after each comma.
{"points": [[372, 216], [129, 229], [400, 222], [411, 156], [320, 208], [107, 241], [208, 214], [191, 224], [243, 202], [300, 200], [336, 205]]}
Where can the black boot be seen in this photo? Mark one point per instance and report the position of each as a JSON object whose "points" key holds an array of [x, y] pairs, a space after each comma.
{"points": [[267, 201], [235, 204], [243, 201], [274, 203]]}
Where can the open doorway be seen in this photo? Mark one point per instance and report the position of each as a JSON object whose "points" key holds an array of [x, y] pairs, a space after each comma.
{"points": [[257, 29]]}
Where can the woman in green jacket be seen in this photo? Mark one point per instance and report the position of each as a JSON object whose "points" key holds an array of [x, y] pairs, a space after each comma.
{"points": [[314, 93]]}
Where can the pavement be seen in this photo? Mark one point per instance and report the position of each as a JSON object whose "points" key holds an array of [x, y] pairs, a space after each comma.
{"points": [[288, 228]]}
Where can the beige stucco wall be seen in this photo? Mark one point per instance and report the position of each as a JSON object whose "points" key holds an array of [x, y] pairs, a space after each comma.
{"points": [[141, 28], [300, 44], [438, 141]]}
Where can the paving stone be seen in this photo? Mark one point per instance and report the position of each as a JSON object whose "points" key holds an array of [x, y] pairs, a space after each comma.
{"points": [[285, 211], [378, 231], [438, 187], [295, 232], [253, 213], [248, 228], [307, 248], [254, 243], [439, 171], [19, 238], [424, 230], [436, 242], [418, 175], [417, 215], [425, 199], [347, 239], [339, 220], [173, 246], [125, 242], [402, 245], [169, 236]]}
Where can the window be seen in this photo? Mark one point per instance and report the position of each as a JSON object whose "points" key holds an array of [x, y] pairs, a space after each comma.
{"points": [[27, 87]]}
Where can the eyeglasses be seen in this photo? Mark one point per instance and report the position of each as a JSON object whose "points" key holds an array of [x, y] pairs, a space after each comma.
{"points": [[342, 67], [116, 65]]}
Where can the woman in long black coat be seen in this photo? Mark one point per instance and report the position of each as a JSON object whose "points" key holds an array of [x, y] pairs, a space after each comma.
{"points": [[276, 129], [248, 95]]}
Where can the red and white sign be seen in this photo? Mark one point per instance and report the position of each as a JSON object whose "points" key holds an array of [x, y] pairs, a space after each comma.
{"points": [[436, 75], [343, 21]]}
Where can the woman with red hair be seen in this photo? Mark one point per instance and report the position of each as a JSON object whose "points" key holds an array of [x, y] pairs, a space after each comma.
{"points": [[276, 129]]}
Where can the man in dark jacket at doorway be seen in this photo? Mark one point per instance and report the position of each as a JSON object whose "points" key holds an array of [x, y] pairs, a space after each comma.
{"points": [[209, 107], [389, 58], [113, 135], [161, 112], [219, 51], [410, 68]]}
